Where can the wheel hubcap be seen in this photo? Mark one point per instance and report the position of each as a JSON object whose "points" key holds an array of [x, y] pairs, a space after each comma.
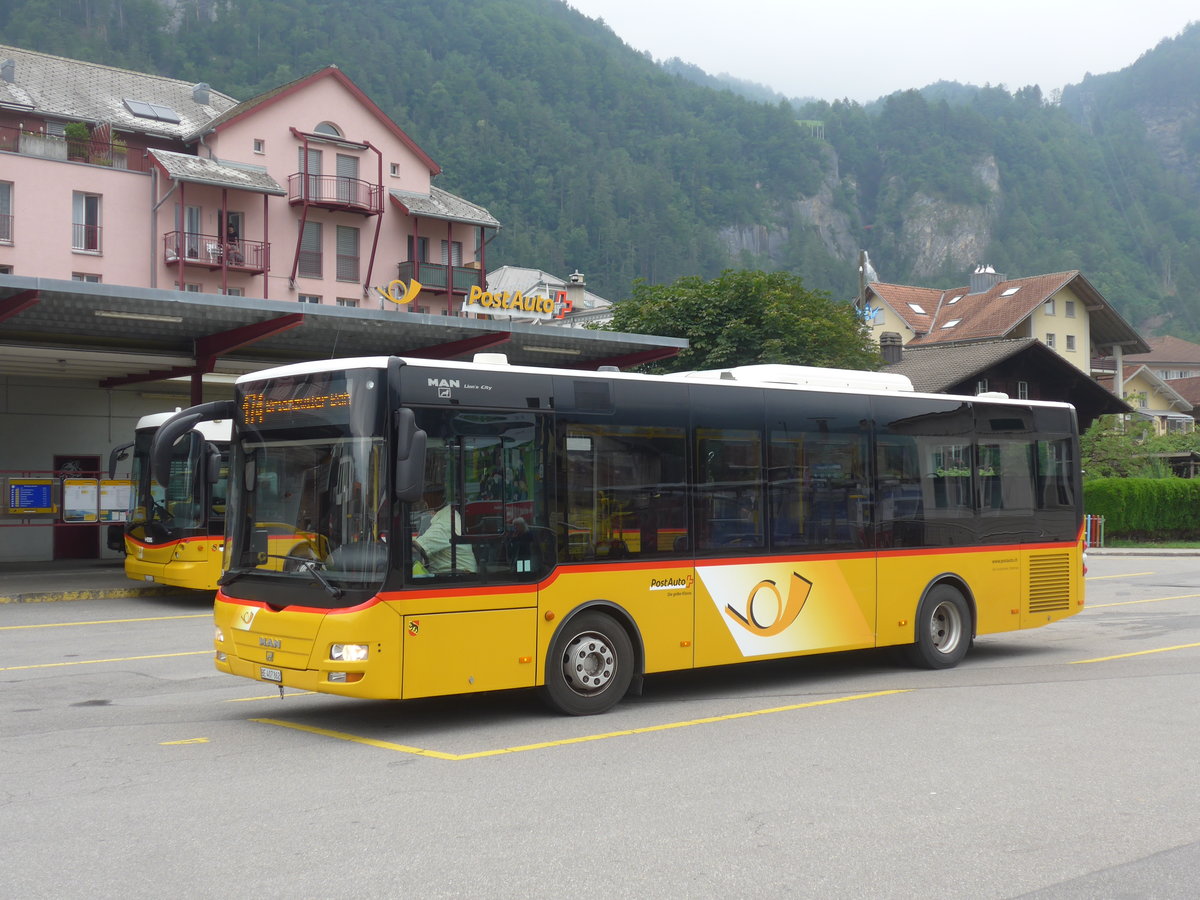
{"points": [[946, 627], [589, 663]]}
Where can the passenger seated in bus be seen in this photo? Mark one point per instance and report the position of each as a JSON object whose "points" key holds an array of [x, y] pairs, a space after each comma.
{"points": [[434, 543], [519, 540]]}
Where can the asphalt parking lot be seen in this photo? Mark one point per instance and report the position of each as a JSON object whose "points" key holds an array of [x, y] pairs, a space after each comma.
{"points": [[1053, 763]]}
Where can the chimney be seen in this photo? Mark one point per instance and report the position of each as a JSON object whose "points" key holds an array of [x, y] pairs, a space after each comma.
{"points": [[8, 71], [891, 348], [983, 279], [576, 290], [200, 93]]}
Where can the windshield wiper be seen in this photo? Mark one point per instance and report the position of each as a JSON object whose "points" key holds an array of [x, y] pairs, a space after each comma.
{"points": [[312, 567]]}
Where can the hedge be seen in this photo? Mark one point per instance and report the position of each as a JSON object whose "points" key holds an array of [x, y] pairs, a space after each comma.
{"points": [[1145, 508]]}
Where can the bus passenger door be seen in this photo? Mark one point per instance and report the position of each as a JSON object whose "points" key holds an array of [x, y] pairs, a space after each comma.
{"points": [[484, 528]]}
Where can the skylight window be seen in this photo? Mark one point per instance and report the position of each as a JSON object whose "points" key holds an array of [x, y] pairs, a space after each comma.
{"points": [[152, 111], [954, 299], [1010, 292], [952, 323], [916, 307]]}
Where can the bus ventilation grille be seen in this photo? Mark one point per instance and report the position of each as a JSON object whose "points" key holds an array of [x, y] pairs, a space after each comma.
{"points": [[1049, 582]]}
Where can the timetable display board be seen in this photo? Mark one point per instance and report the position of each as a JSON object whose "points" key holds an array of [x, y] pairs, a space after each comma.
{"points": [[30, 497], [80, 499], [114, 500]]}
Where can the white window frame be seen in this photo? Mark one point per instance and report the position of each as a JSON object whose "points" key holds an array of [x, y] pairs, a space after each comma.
{"points": [[86, 213], [6, 212]]}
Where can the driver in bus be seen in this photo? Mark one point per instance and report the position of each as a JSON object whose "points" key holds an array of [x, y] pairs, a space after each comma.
{"points": [[434, 541]]}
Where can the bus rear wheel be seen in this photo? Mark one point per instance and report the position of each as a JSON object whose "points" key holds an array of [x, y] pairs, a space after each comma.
{"points": [[590, 665], [943, 629]]}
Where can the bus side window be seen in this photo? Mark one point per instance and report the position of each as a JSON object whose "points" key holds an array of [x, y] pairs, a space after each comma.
{"points": [[626, 492]]}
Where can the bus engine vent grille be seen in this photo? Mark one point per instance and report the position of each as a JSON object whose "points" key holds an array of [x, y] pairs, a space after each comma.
{"points": [[1049, 582]]}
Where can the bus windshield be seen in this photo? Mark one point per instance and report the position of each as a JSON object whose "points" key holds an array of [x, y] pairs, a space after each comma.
{"points": [[161, 514], [310, 484]]}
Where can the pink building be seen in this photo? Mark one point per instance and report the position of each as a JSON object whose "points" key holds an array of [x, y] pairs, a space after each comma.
{"points": [[306, 193]]}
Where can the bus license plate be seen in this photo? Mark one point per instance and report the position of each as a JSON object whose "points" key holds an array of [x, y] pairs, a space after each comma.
{"points": [[270, 674]]}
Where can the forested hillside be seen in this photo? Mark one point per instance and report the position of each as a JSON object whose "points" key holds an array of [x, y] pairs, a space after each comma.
{"points": [[596, 158]]}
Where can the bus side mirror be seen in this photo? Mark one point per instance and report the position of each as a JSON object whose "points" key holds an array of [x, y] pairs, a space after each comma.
{"points": [[410, 457], [117, 455], [212, 463], [178, 425]]}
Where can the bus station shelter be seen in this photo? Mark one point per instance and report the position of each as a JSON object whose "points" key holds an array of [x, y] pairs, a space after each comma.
{"points": [[81, 362]]}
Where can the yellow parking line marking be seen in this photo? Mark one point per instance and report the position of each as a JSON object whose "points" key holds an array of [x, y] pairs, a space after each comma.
{"points": [[1126, 575], [1128, 655], [184, 741], [1150, 600], [269, 697], [648, 729], [89, 662], [106, 622]]}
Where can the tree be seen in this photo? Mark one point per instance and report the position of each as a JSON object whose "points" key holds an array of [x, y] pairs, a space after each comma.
{"points": [[746, 317], [1112, 449]]}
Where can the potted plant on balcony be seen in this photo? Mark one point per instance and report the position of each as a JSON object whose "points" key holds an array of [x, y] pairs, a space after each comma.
{"points": [[78, 138], [119, 154]]}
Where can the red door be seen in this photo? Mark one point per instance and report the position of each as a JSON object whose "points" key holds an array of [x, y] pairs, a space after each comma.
{"points": [[80, 541]]}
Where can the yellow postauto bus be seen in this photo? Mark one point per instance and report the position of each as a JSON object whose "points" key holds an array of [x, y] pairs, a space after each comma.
{"points": [[405, 528], [174, 533]]}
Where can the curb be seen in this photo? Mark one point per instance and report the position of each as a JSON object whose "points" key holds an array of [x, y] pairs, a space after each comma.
{"points": [[103, 594]]}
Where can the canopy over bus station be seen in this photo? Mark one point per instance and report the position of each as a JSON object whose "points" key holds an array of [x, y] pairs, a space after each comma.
{"points": [[81, 362]]}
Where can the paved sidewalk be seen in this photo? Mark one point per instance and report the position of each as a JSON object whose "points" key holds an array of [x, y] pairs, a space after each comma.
{"points": [[92, 579], [85, 579], [1147, 551]]}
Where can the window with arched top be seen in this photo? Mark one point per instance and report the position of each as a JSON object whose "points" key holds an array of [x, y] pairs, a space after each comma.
{"points": [[328, 128]]}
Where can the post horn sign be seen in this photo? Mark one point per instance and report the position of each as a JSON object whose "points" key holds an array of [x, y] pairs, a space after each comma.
{"points": [[399, 292]]}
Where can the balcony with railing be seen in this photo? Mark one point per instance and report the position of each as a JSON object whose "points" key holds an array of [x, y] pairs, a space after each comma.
{"points": [[112, 154], [436, 276], [336, 192], [210, 251], [87, 238]]}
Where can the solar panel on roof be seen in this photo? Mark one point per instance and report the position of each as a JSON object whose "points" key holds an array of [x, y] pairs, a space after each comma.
{"points": [[165, 113], [158, 113], [138, 108]]}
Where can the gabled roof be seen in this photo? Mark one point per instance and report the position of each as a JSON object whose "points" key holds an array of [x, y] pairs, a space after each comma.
{"points": [[198, 170], [538, 283], [907, 302], [943, 368], [1188, 389], [1167, 350], [439, 204], [1174, 401], [274, 95], [71, 90], [958, 315], [933, 369]]}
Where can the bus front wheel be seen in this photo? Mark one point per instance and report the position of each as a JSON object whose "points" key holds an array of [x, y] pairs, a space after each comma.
{"points": [[943, 629], [590, 665]]}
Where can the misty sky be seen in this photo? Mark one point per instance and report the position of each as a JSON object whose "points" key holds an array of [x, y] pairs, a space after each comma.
{"points": [[865, 49]]}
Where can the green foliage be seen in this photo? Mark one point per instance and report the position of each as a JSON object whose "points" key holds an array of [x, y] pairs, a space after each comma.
{"points": [[1111, 448], [596, 158], [746, 317], [1145, 508]]}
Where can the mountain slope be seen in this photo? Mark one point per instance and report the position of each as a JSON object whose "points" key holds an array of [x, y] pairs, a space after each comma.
{"points": [[596, 158]]}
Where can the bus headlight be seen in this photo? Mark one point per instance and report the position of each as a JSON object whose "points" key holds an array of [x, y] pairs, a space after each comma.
{"points": [[218, 634], [348, 652]]}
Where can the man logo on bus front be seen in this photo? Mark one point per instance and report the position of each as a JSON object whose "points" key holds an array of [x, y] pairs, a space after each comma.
{"points": [[785, 612]]}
